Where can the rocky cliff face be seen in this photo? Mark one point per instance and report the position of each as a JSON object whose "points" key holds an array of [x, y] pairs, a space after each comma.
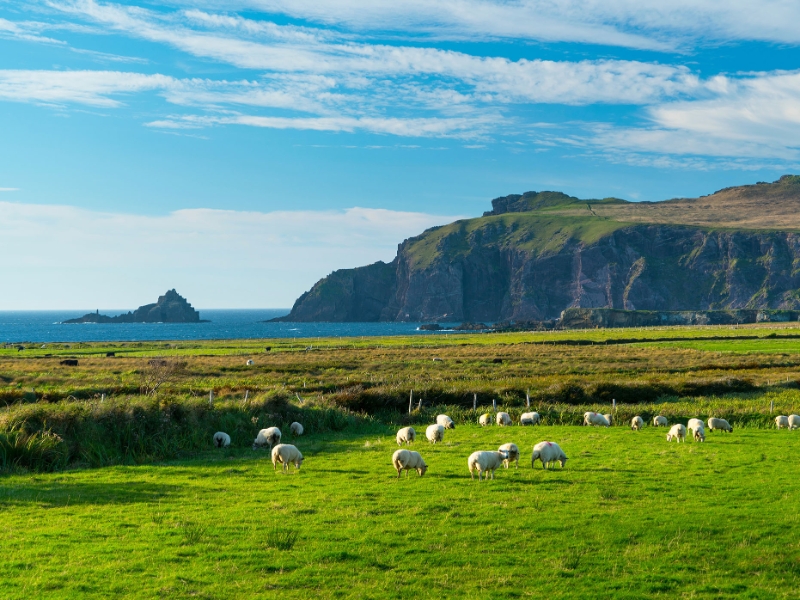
{"points": [[533, 264], [170, 308]]}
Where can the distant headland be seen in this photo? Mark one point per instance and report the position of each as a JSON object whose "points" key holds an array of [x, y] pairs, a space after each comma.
{"points": [[170, 308]]}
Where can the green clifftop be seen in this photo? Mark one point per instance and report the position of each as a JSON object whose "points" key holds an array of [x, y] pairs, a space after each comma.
{"points": [[536, 254]]}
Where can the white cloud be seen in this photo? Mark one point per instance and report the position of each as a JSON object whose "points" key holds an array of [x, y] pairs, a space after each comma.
{"points": [[217, 258], [643, 24], [8, 189], [755, 116]]}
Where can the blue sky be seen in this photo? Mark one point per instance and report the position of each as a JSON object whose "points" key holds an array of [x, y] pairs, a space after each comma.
{"points": [[240, 150]]}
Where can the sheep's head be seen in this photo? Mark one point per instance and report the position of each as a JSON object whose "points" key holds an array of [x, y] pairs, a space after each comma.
{"points": [[563, 461], [422, 470]]}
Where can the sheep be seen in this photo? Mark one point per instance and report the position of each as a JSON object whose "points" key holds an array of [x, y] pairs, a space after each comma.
{"points": [[406, 435], [445, 422], [698, 430], [794, 421], [677, 432], [434, 433], [714, 423], [250, 363], [485, 419], [296, 429], [593, 418], [513, 454], [286, 454], [659, 421], [485, 463], [530, 418], [503, 419], [267, 437], [548, 452], [609, 418], [408, 459], [221, 439], [782, 421], [637, 423]]}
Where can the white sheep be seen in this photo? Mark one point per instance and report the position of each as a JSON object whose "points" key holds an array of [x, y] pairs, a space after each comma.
{"points": [[296, 429], [250, 363], [677, 432], [286, 454], [794, 421], [593, 418], [659, 421], [513, 454], [548, 452], [485, 419], [609, 418], [782, 421], [530, 418], [697, 428], [408, 459], [267, 437], [434, 433], [503, 419], [406, 436], [714, 423], [222, 439], [445, 422], [485, 462], [637, 423]]}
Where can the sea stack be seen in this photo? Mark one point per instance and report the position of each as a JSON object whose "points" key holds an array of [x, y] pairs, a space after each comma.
{"points": [[170, 308]]}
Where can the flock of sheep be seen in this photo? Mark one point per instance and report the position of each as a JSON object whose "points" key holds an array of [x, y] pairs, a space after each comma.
{"points": [[485, 462]]}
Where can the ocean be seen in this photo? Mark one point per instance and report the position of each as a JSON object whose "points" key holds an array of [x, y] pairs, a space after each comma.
{"points": [[47, 326]]}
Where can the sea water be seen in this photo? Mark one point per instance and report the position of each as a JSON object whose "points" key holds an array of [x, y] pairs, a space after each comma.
{"points": [[48, 326]]}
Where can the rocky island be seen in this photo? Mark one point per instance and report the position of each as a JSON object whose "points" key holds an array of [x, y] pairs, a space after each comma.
{"points": [[170, 308], [534, 255]]}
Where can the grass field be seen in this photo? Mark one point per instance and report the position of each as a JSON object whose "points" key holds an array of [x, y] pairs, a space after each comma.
{"points": [[139, 504], [631, 516]]}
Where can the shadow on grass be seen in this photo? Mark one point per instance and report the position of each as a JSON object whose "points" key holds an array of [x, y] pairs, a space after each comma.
{"points": [[59, 494]]}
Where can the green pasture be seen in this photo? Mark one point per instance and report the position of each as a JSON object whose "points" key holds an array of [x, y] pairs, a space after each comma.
{"points": [[763, 345], [631, 516]]}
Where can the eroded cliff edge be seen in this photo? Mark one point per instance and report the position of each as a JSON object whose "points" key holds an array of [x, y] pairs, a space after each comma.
{"points": [[536, 254]]}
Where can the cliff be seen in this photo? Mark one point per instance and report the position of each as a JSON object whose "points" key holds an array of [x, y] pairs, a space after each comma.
{"points": [[170, 308], [536, 254]]}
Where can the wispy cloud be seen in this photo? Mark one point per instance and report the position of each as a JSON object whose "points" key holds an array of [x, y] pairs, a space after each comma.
{"points": [[8, 189], [248, 251]]}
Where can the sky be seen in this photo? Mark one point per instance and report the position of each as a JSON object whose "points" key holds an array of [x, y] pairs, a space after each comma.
{"points": [[240, 150]]}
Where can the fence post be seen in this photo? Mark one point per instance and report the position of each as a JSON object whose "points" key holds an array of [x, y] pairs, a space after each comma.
{"points": [[211, 398], [103, 398], [410, 400], [419, 405], [528, 398], [614, 405], [771, 405], [494, 405], [474, 401]]}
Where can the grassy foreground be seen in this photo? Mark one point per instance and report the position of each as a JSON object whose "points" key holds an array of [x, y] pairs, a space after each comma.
{"points": [[631, 516]]}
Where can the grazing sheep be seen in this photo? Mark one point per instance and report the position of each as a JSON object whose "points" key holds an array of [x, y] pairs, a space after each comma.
{"points": [[267, 437], [794, 421], [221, 439], [609, 418], [406, 435], [286, 454], [714, 423], [408, 459], [593, 418], [698, 429], [637, 423], [530, 418], [485, 419], [250, 363], [659, 421], [782, 421], [445, 422], [503, 419], [677, 432], [513, 454], [548, 452], [434, 433], [485, 463], [296, 429], [700, 434]]}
